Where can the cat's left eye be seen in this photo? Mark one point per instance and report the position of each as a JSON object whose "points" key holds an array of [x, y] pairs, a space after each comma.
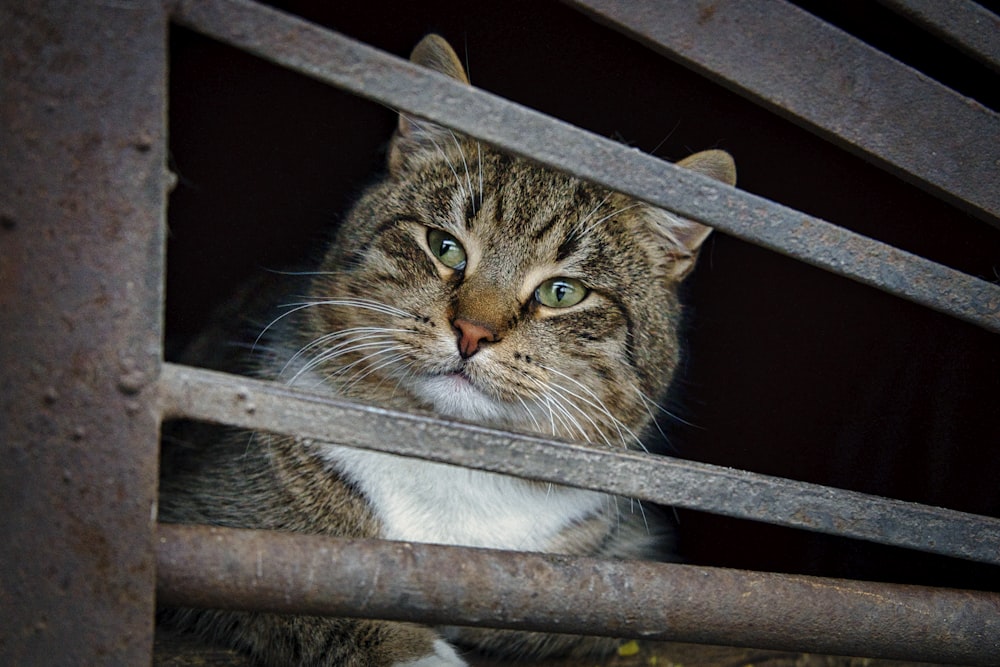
{"points": [[560, 292], [446, 248]]}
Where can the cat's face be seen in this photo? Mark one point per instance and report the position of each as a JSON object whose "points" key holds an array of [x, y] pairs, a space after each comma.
{"points": [[482, 287]]}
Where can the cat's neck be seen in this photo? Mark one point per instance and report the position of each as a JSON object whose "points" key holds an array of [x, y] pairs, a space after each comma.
{"points": [[421, 501]]}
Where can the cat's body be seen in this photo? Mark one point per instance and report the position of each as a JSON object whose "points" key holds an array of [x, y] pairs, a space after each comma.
{"points": [[477, 286]]}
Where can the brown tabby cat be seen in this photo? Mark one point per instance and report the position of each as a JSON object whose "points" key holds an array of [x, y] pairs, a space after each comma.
{"points": [[474, 285]]}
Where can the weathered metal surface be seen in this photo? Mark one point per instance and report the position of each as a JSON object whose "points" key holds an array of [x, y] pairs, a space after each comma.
{"points": [[964, 24], [199, 566], [832, 84], [254, 404], [342, 62], [82, 130]]}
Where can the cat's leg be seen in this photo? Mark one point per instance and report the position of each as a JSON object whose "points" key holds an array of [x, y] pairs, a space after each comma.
{"points": [[274, 640]]}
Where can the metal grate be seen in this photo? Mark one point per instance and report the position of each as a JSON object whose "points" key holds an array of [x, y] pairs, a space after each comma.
{"points": [[84, 389]]}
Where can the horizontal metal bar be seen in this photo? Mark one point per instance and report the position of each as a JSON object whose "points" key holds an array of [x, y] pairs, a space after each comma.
{"points": [[964, 24], [818, 76], [254, 404], [342, 62], [199, 566]]}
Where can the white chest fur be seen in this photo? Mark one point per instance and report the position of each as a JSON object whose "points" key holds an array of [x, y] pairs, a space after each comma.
{"points": [[419, 501]]}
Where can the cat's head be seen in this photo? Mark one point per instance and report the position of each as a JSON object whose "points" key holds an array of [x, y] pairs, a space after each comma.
{"points": [[483, 287]]}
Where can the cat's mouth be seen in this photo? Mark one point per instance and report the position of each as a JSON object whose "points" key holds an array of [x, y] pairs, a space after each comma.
{"points": [[455, 371], [457, 393], [454, 378], [459, 381]]}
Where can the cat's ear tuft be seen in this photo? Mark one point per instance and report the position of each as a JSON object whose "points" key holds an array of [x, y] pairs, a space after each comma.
{"points": [[413, 134], [687, 236]]}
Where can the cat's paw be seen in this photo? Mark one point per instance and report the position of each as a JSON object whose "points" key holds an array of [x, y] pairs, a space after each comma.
{"points": [[444, 656]]}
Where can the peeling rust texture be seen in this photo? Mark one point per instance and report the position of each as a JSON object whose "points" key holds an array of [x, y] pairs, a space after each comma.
{"points": [[82, 133], [964, 24], [831, 83], [200, 566], [370, 73], [253, 404]]}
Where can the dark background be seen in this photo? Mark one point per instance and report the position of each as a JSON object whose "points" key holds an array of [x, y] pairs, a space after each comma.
{"points": [[792, 371]]}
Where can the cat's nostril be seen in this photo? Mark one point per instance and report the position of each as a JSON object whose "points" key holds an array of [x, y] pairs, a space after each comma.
{"points": [[471, 335]]}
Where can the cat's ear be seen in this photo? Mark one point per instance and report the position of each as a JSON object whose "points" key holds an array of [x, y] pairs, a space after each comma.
{"points": [[434, 52], [686, 235], [714, 163], [414, 134]]}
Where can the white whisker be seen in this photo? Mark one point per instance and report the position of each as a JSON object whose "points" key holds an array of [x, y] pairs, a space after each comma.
{"points": [[367, 304], [578, 226], [556, 392], [642, 513], [608, 217], [650, 402], [352, 344], [565, 418], [429, 136], [479, 160], [530, 414], [555, 396], [368, 332], [327, 356], [597, 403], [359, 376], [468, 178], [354, 302]]}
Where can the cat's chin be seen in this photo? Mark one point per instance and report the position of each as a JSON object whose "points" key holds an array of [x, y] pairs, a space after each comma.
{"points": [[454, 395]]}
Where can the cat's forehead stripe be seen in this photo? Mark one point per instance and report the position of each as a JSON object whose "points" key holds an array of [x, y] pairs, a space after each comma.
{"points": [[570, 245]]}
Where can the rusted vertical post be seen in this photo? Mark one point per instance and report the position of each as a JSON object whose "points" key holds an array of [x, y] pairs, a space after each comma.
{"points": [[82, 131]]}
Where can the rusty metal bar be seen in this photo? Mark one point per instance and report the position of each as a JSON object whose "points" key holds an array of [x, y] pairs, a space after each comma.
{"points": [[834, 85], [200, 566], [342, 62], [254, 404], [81, 257], [964, 24]]}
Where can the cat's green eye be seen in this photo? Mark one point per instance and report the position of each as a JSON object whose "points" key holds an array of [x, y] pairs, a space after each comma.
{"points": [[446, 248], [560, 292]]}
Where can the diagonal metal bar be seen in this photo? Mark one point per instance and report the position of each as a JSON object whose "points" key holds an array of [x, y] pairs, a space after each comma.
{"points": [[253, 404], [965, 24], [342, 62], [812, 73], [199, 566]]}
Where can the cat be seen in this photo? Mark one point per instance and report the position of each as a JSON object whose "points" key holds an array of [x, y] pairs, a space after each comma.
{"points": [[478, 286]]}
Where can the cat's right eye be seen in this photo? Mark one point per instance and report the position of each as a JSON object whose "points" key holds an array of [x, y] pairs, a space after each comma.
{"points": [[446, 248], [560, 292]]}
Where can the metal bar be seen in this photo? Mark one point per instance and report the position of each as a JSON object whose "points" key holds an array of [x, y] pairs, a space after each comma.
{"points": [[200, 566], [342, 62], [253, 404], [964, 24], [834, 85], [81, 256]]}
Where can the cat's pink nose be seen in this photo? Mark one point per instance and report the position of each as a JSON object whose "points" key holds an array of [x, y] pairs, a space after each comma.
{"points": [[471, 335]]}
